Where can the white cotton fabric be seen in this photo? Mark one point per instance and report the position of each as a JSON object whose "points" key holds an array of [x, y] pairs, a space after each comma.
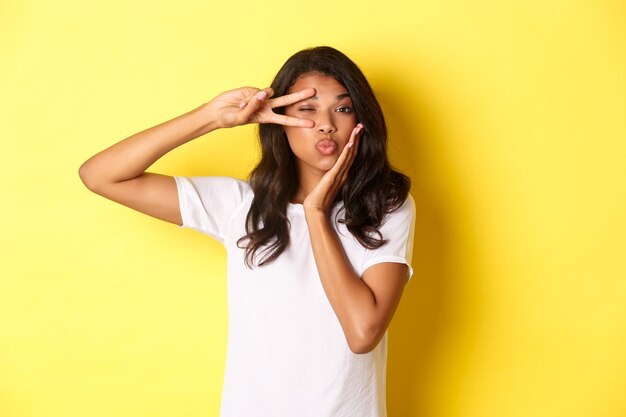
{"points": [[287, 355]]}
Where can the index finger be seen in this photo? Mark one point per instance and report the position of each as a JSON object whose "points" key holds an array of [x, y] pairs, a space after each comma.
{"points": [[292, 98], [281, 119]]}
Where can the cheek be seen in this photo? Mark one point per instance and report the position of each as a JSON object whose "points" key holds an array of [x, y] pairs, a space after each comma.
{"points": [[349, 121], [295, 139], [299, 134], [291, 135], [347, 125]]}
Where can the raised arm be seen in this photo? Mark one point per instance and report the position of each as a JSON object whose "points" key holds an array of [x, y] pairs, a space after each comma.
{"points": [[119, 172], [364, 305]]}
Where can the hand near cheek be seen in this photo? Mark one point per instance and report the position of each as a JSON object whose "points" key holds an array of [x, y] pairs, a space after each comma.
{"points": [[324, 193]]}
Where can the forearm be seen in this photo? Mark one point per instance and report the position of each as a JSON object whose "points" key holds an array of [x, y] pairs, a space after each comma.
{"points": [[352, 300], [132, 156]]}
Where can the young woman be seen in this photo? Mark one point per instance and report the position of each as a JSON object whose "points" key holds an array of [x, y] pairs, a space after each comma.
{"points": [[319, 239]]}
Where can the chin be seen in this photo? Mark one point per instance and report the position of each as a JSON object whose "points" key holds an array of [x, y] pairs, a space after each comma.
{"points": [[326, 166]]}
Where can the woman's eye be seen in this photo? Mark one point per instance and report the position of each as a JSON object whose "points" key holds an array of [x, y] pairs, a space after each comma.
{"points": [[345, 109], [306, 109]]}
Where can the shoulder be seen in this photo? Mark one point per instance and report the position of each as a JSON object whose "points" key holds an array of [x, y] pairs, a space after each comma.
{"points": [[210, 204], [212, 184], [215, 181], [405, 212], [408, 204], [212, 193]]}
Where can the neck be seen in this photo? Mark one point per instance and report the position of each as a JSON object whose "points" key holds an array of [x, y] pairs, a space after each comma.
{"points": [[308, 180]]}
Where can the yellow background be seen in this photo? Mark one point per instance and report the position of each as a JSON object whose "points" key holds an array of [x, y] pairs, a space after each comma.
{"points": [[509, 118]]}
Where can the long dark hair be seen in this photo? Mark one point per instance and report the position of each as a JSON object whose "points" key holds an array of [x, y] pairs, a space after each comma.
{"points": [[372, 188]]}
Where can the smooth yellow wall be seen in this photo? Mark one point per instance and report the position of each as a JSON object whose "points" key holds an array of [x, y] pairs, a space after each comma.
{"points": [[509, 117]]}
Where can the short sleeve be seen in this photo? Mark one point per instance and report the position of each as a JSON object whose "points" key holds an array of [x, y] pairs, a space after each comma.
{"points": [[207, 204], [397, 229]]}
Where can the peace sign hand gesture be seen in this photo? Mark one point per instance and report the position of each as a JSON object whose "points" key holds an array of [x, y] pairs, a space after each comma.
{"points": [[250, 105]]}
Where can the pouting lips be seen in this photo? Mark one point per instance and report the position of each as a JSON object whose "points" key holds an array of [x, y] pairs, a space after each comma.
{"points": [[326, 146]]}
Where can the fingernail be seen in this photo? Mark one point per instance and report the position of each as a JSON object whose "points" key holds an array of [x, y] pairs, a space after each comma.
{"points": [[243, 104], [261, 95]]}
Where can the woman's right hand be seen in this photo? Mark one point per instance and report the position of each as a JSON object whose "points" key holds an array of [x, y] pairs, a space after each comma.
{"points": [[119, 172], [250, 105]]}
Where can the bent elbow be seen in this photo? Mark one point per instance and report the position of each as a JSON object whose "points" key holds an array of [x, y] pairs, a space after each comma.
{"points": [[83, 174], [361, 349], [364, 343], [88, 178]]}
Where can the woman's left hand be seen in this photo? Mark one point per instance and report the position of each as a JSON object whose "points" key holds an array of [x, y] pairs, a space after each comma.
{"points": [[324, 193]]}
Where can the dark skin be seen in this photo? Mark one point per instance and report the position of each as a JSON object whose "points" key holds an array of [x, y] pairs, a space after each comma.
{"points": [[364, 305]]}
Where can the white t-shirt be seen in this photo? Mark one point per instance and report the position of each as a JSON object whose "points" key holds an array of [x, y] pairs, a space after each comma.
{"points": [[287, 355]]}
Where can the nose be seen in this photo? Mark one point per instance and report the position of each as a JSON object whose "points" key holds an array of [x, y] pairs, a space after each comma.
{"points": [[325, 124]]}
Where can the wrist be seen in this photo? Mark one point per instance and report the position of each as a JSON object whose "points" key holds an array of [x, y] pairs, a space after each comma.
{"points": [[207, 117], [314, 213]]}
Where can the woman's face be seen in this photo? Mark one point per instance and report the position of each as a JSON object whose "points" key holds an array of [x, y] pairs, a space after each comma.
{"points": [[317, 148]]}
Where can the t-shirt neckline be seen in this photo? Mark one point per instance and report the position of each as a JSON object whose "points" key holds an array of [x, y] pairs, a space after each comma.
{"points": [[295, 207]]}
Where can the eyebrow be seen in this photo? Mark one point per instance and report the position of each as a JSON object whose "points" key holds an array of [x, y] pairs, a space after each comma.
{"points": [[339, 97]]}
